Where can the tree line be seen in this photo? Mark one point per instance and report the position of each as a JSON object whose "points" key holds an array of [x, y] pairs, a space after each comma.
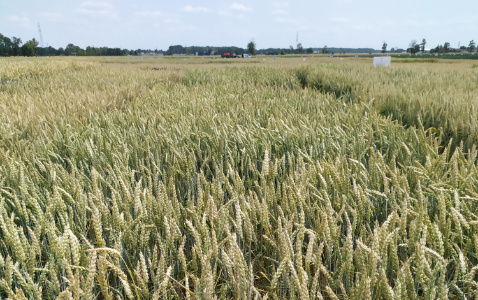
{"points": [[415, 47], [15, 47]]}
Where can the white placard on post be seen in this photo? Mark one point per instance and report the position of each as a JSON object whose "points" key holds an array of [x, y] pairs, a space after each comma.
{"points": [[383, 61]]}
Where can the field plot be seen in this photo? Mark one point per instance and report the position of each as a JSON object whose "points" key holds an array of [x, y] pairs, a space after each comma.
{"points": [[126, 178]]}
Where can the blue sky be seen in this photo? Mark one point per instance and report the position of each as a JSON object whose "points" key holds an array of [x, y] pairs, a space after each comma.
{"points": [[156, 24]]}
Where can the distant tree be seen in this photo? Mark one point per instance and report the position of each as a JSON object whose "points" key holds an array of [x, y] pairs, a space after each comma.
{"points": [[72, 50], [414, 47], [90, 51], [417, 48], [446, 47], [2, 45], [291, 49], [5, 46], [29, 48], [310, 50], [251, 48], [471, 46], [412, 44], [422, 45], [437, 49], [51, 51], [16, 42], [300, 49], [384, 47], [282, 52], [325, 50], [176, 49]]}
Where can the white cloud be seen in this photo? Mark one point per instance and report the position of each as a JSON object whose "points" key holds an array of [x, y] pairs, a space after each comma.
{"points": [[171, 21], [280, 5], [23, 20], [96, 9], [182, 28], [50, 16], [290, 21], [412, 23], [224, 13], [307, 27], [279, 11], [199, 9], [432, 23], [344, 2], [339, 20], [153, 14], [239, 7], [280, 8], [158, 18], [363, 27], [235, 10]]}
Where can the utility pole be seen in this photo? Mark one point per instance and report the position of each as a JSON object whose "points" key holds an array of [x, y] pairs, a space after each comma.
{"points": [[41, 37]]}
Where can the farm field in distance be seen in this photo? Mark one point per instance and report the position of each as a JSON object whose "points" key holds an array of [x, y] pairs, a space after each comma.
{"points": [[203, 178]]}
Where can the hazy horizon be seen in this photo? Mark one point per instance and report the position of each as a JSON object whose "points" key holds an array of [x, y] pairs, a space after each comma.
{"points": [[270, 24]]}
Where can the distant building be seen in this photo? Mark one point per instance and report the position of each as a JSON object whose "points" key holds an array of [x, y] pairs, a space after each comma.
{"points": [[151, 54]]}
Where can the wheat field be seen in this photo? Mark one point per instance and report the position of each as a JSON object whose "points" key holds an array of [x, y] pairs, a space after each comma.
{"points": [[201, 178]]}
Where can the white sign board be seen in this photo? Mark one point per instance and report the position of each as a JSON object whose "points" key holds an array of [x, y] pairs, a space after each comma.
{"points": [[383, 61]]}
